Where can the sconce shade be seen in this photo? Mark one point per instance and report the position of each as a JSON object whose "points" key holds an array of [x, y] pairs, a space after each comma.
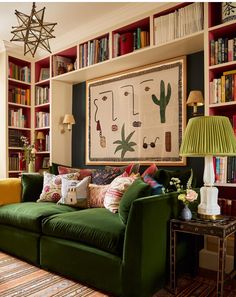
{"points": [[208, 135], [40, 135], [69, 119], [195, 98]]}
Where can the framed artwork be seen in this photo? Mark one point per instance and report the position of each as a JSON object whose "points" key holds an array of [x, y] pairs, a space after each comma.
{"points": [[137, 116]]}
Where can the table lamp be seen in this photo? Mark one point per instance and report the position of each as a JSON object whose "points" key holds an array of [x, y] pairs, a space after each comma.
{"points": [[40, 137], [208, 136]]}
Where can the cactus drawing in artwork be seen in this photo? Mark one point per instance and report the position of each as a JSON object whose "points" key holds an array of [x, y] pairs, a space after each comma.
{"points": [[163, 101]]}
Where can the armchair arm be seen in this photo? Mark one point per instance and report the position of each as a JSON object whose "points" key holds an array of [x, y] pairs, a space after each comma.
{"points": [[10, 190]]}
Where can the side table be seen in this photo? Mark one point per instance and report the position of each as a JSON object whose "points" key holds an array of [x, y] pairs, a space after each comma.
{"points": [[220, 229]]}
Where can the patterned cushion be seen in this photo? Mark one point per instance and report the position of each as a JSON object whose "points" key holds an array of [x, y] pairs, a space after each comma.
{"points": [[131, 168], [82, 172], [105, 176], [115, 192], [151, 170], [52, 186], [97, 195], [75, 192], [156, 188]]}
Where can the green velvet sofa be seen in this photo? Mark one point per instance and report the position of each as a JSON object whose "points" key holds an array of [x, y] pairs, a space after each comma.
{"points": [[93, 246]]}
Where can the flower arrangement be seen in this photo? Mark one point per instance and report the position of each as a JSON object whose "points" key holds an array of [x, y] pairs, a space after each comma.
{"points": [[186, 196], [29, 150]]}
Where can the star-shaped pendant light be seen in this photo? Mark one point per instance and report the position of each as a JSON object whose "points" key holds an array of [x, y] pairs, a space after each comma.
{"points": [[33, 31]]}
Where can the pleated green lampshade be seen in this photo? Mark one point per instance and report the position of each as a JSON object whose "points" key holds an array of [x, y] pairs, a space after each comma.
{"points": [[208, 135]]}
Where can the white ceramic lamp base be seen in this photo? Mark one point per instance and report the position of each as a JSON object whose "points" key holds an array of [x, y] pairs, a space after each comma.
{"points": [[208, 207]]}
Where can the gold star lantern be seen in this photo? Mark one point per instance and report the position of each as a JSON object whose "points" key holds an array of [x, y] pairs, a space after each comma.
{"points": [[33, 31]]}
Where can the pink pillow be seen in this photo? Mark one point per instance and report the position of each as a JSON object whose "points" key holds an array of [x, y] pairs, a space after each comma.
{"points": [[82, 172], [96, 195], [151, 170]]}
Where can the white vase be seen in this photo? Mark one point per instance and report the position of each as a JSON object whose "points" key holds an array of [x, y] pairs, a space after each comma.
{"points": [[186, 213], [31, 167]]}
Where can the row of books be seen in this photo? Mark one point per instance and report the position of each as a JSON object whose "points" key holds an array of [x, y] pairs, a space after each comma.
{"points": [[44, 73], [129, 41], [19, 73], [16, 162], [19, 95], [17, 118], [14, 138], [225, 169], [222, 50], [93, 52], [42, 119], [41, 95], [47, 142], [223, 89], [182, 22], [227, 207]]}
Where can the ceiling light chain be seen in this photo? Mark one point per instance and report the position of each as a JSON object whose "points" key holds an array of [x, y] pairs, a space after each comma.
{"points": [[33, 31]]}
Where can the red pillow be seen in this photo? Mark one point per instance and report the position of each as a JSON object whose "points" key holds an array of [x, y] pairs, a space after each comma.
{"points": [[82, 172], [151, 170]]}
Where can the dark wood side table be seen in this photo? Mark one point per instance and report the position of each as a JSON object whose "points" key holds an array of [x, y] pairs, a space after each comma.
{"points": [[220, 229]]}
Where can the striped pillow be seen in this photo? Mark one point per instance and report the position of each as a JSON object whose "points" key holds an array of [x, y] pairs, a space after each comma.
{"points": [[116, 190]]}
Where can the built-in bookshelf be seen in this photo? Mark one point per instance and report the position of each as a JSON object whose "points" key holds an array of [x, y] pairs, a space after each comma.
{"points": [[19, 112], [64, 61], [42, 113], [131, 37]]}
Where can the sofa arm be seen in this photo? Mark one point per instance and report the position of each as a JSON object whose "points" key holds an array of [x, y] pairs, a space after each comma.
{"points": [[146, 245], [10, 190]]}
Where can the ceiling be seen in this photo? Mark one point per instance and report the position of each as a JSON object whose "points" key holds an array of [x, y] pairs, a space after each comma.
{"points": [[75, 20]]}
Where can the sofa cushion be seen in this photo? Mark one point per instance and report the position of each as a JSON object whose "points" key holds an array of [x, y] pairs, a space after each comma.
{"points": [[136, 190], [96, 227], [32, 185], [28, 215]]}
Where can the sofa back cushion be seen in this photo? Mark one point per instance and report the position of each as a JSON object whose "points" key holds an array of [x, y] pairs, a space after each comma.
{"points": [[32, 185], [136, 190]]}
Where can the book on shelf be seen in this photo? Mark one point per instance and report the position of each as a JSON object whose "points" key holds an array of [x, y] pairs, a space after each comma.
{"points": [[222, 50], [225, 169], [19, 95], [19, 73], [183, 21], [41, 95], [42, 119], [44, 74], [126, 43], [93, 51], [14, 138], [16, 118]]}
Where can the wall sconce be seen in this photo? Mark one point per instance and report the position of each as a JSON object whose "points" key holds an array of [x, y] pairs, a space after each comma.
{"points": [[69, 121], [40, 137], [195, 99]]}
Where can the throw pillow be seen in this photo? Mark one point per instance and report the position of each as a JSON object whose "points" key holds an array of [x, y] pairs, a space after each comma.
{"points": [[136, 190], [156, 188], [151, 170], [104, 176], [32, 185], [75, 192], [97, 195], [82, 173], [52, 186], [115, 192]]}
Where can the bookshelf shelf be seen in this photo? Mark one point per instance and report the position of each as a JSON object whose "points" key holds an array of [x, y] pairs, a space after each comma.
{"points": [[19, 82], [41, 128], [42, 152], [18, 105], [225, 185], [19, 128], [44, 82], [15, 148], [221, 105]]}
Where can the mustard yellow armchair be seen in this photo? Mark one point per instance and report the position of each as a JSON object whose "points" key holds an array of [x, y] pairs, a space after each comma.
{"points": [[10, 190]]}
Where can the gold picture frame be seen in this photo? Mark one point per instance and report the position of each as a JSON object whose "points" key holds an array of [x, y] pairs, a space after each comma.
{"points": [[137, 116]]}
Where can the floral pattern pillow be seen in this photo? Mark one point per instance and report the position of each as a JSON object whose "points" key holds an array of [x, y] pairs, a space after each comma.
{"points": [[97, 194], [105, 176], [52, 186]]}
